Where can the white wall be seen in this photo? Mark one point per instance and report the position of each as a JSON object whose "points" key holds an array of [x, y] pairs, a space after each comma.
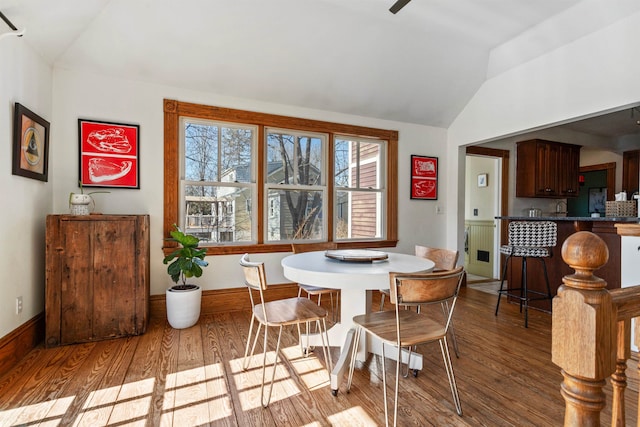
{"points": [[592, 75], [81, 95], [25, 79]]}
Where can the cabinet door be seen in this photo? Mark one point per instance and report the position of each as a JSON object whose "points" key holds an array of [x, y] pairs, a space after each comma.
{"points": [[114, 278], [630, 171], [547, 162], [568, 167], [76, 290], [98, 286]]}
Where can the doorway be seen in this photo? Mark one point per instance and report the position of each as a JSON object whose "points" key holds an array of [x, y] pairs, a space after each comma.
{"points": [[486, 196], [594, 178]]}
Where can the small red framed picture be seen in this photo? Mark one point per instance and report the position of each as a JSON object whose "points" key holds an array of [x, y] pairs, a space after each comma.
{"points": [[424, 177], [109, 154]]}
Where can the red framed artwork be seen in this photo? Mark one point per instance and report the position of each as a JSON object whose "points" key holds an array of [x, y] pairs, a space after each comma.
{"points": [[109, 154], [424, 177]]}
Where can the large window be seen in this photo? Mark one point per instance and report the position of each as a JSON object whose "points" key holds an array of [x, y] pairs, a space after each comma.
{"points": [[360, 188], [217, 174], [254, 182], [295, 186]]}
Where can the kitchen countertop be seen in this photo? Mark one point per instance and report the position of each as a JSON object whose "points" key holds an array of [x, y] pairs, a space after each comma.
{"points": [[631, 219]]}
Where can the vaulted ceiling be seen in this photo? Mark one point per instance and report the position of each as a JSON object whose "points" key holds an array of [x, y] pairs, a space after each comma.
{"points": [[421, 65]]}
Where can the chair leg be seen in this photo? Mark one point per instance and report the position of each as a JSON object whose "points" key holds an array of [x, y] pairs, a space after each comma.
{"points": [[245, 363], [384, 387], [410, 349], [305, 350], [264, 367], [445, 310], [354, 353], [446, 357], [546, 277], [524, 292], [504, 275], [326, 350], [382, 301]]}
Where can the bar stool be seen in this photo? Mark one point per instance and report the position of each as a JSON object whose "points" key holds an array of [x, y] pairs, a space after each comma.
{"points": [[528, 239]]}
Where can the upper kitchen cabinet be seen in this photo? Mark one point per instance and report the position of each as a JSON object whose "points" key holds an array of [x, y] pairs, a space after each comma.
{"points": [[630, 171], [547, 169]]}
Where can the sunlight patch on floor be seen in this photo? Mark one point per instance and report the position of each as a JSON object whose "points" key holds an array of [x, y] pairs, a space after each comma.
{"points": [[248, 382], [36, 412], [196, 396], [354, 417], [310, 369]]}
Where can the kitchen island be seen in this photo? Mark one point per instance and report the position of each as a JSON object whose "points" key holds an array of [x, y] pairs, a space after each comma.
{"points": [[604, 227]]}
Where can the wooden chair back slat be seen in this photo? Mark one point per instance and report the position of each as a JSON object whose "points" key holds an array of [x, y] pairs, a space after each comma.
{"points": [[444, 259], [298, 248], [254, 274], [424, 288]]}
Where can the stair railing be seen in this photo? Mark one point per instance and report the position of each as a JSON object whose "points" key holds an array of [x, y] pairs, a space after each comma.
{"points": [[591, 333]]}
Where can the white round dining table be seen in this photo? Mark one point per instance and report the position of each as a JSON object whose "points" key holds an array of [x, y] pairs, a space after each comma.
{"points": [[356, 281]]}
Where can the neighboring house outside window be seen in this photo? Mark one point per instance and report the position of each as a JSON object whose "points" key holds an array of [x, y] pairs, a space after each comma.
{"points": [[253, 182]]}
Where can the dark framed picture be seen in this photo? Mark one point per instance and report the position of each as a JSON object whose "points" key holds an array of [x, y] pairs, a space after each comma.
{"points": [[109, 154], [597, 200], [30, 144], [424, 177]]}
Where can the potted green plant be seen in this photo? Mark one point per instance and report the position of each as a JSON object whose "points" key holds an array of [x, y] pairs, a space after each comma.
{"points": [[183, 299], [79, 202]]}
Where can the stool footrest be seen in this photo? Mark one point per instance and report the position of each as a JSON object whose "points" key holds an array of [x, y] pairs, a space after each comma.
{"points": [[511, 293]]}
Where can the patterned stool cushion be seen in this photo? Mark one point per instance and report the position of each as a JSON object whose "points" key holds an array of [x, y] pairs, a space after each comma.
{"points": [[524, 251], [531, 238]]}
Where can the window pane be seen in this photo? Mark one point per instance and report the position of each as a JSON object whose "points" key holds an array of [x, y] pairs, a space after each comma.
{"points": [[342, 150], [294, 159], [200, 152], [369, 165], [358, 215], [294, 214], [218, 214], [357, 164], [236, 154]]}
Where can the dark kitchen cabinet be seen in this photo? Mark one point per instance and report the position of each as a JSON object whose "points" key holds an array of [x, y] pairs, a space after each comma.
{"points": [[547, 169], [630, 171]]}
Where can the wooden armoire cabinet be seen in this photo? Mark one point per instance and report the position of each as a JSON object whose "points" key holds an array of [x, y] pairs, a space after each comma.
{"points": [[97, 277]]}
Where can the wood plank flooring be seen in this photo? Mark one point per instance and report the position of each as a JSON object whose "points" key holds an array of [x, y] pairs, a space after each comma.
{"points": [[194, 377]]}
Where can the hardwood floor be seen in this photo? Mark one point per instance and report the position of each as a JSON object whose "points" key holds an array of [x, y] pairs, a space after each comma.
{"points": [[194, 377]]}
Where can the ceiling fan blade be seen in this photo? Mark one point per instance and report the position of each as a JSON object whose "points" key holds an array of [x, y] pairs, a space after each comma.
{"points": [[398, 5]]}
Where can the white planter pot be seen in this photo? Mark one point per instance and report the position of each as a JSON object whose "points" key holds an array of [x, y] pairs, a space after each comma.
{"points": [[79, 204], [183, 306]]}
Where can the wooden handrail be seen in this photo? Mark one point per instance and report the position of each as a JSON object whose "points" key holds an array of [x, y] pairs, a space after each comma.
{"points": [[591, 335]]}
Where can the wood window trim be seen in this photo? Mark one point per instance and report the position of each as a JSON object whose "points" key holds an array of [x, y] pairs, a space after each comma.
{"points": [[174, 109]]}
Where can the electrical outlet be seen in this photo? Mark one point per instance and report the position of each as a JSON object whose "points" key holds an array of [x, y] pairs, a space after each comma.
{"points": [[475, 212], [18, 305]]}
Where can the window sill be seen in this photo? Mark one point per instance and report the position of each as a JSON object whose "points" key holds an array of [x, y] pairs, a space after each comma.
{"points": [[272, 248]]}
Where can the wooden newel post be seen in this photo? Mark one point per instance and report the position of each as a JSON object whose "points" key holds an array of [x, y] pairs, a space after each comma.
{"points": [[584, 330]]}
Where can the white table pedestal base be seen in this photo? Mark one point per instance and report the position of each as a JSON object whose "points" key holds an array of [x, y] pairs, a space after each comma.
{"points": [[356, 280], [345, 336]]}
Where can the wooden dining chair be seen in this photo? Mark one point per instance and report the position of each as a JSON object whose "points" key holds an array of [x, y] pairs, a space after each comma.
{"points": [[278, 313], [444, 260], [319, 291], [405, 329]]}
